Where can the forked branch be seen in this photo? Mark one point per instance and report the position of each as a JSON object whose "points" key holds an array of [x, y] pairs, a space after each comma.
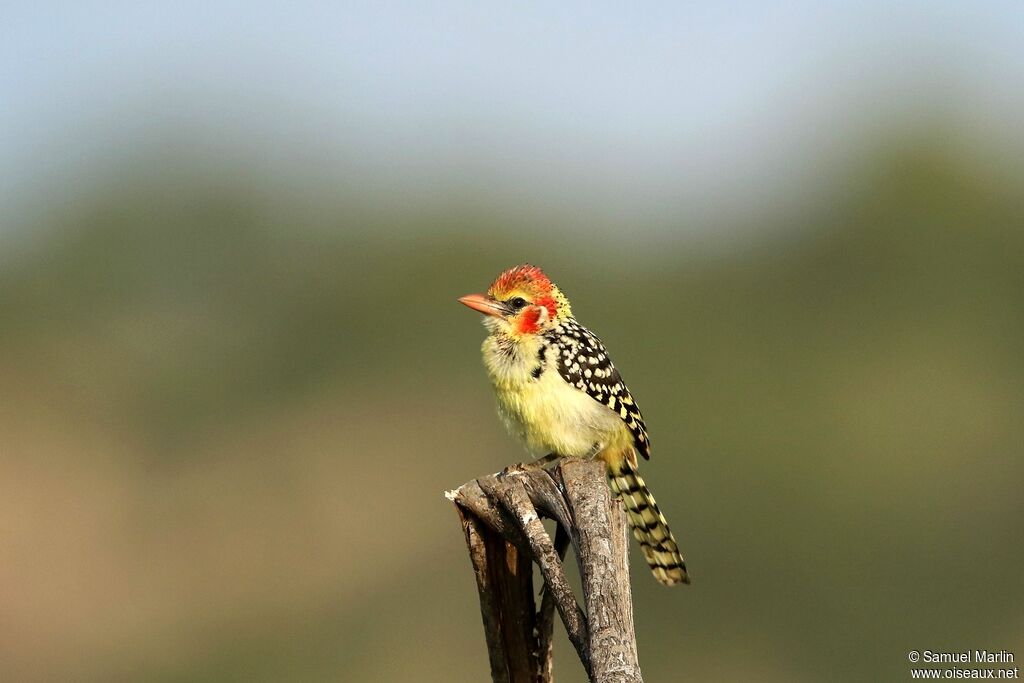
{"points": [[501, 517]]}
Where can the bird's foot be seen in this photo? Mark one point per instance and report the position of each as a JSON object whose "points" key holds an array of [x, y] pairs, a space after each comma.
{"points": [[538, 464]]}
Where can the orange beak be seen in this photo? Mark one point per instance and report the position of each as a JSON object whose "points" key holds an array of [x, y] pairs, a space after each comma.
{"points": [[487, 306]]}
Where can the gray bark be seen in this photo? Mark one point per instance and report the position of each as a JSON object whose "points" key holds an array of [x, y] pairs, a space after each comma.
{"points": [[501, 517]]}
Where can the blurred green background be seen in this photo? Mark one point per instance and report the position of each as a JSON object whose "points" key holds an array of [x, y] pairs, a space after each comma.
{"points": [[234, 381]]}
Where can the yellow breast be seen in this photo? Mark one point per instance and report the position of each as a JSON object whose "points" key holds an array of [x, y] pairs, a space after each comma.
{"points": [[546, 413]]}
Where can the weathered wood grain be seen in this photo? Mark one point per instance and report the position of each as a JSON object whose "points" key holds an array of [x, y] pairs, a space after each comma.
{"points": [[501, 517]]}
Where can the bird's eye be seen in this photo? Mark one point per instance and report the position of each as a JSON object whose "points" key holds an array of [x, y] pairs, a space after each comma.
{"points": [[517, 303]]}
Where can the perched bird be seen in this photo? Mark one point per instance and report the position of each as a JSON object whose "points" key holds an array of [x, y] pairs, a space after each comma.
{"points": [[559, 392]]}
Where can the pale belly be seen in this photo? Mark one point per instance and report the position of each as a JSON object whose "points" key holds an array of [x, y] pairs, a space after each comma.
{"points": [[550, 416]]}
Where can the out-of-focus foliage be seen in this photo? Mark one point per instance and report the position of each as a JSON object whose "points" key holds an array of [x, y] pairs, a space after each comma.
{"points": [[226, 423]]}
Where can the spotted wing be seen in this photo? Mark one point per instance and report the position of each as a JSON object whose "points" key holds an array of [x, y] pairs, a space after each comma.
{"points": [[583, 362]]}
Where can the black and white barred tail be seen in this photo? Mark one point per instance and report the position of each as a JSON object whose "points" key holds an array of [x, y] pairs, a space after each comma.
{"points": [[649, 525]]}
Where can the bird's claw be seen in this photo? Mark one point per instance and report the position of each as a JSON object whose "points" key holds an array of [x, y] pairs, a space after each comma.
{"points": [[538, 464]]}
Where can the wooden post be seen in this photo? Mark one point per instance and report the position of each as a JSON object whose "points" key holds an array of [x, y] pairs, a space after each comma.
{"points": [[501, 517]]}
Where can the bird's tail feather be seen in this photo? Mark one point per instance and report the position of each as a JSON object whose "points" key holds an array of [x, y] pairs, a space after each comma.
{"points": [[649, 525]]}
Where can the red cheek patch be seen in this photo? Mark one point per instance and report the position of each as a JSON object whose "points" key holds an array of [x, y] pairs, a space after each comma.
{"points": [[528, 320], [548, 302]]}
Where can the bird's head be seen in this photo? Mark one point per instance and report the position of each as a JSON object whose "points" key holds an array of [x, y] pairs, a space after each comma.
{"points": [[521, 301]]}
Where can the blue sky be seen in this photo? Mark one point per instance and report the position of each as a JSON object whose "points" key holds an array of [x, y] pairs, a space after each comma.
{"points": [[628, 107]]}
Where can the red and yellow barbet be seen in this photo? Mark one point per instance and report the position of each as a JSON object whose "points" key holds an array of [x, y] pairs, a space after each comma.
{"points": [[559, 392]]}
